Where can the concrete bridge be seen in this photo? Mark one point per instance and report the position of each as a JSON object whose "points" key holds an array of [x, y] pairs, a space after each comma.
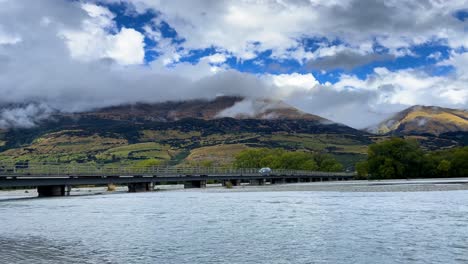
{"points": [[57, 179]]}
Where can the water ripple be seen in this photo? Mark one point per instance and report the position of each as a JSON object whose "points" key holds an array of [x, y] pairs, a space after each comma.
{"points": [[240, 227]]}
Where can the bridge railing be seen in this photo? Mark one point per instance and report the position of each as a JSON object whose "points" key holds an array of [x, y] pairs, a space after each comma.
{"points": [[64, 169]]}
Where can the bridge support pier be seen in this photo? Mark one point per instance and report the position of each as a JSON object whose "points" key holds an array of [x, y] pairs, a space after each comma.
{"points": [[54, 190], [278, 181], [140, 187], [233, 182], [292, 180], [194, 184], [257, 182]]}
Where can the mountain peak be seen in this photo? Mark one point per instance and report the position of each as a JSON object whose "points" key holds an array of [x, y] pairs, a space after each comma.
{"points": [[420, 119]]}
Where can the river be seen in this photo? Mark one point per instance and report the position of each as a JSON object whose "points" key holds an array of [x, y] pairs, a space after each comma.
{"points": [[206, 226]]}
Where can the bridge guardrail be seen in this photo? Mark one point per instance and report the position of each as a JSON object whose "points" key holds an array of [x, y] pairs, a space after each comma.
{"points": [[63, 169]]}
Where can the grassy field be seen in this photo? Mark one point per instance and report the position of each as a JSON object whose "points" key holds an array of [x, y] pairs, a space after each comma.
{"points": [[219, 155], [136, 151], [62, 146]]}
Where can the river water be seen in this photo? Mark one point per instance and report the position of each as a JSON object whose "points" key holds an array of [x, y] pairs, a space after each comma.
{"points": [[238, 227]]}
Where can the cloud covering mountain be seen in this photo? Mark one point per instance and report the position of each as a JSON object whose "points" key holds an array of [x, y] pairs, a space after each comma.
{"points": [[351, 61]]}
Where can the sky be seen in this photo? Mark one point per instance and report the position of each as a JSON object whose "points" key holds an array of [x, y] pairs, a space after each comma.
{"points": [[352, 61]]}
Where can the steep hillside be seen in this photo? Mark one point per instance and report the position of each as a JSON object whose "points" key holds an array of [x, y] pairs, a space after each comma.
{"points": [[424, 120], [222, 106], [192, 132], [212, 132]]}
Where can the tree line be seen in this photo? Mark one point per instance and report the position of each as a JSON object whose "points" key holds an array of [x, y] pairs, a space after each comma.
{"points": [[403, 158], [282, 159]]}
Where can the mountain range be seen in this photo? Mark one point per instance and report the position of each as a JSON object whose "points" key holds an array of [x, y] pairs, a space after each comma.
{"points": [[213, 131], [205, 109]]}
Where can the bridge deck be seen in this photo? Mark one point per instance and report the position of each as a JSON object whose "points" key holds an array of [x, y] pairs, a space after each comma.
{"points": [[14, 175]]}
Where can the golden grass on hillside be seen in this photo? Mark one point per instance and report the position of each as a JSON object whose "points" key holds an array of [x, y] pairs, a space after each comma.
{"points": [[219, 154], [61, 143], [442, 116], [138, 151], [426, 120]]}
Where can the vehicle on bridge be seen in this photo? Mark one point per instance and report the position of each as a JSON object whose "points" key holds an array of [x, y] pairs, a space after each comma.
{"points": [[265, 171]]}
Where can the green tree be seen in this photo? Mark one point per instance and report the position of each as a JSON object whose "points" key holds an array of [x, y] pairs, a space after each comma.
{"points": [[328, 163], [399, 158], [459, 162], [444, 168], [296, 161], [250, 158], [395, 158], [362, 169], [281, 159]]}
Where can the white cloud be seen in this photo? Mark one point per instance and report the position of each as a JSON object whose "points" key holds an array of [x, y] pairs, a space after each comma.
{"points": [[460, 62], [8, 38], [151, 33], [128, 47], [217, 58], [95, 39], [102, 15], [364, 102], [251, 108], [409, 87], [76, 46], [24, 116], [290, 83], [435, 55], [280, 25]]}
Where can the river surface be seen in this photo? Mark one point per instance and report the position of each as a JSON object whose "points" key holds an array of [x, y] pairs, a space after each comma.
{"points": [[238, 227]]}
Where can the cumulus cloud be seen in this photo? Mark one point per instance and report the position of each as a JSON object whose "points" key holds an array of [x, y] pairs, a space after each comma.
{"points": [[363, 102], [287, 84], [71, 56], [278, 25], [217, 58], [93, 40]]}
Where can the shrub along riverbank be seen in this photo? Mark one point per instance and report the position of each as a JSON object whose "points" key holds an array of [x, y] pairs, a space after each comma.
{"points": [[399, 158]]}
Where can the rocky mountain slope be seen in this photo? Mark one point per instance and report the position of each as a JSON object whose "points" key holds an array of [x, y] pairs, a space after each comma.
{"points": [[424, 120]]}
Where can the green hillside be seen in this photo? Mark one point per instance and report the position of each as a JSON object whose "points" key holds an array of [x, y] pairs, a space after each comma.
{"points": [[193, 133], [188, 141]]}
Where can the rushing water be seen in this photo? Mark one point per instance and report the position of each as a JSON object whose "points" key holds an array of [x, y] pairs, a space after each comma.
{"points": [[238, 227]]}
